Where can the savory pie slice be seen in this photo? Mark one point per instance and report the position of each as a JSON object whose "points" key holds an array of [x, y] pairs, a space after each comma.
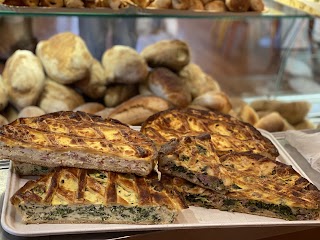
{"points": [[228, 133], [194, 159], [77, 139], [73, 195], [255, 185]]}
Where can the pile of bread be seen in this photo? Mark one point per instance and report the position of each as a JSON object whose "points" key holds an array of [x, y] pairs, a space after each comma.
{"points": [[195, 5], [63, 76]]}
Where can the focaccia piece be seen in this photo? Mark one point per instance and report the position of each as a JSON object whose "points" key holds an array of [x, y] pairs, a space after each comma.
{"points": [[73, 195], [256, 185], [175, 123], [77, 139]]}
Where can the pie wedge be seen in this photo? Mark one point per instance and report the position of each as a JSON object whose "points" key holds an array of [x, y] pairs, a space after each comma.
{"points": [[241, 182], [228, 133], [77, 139], [73, 195]]}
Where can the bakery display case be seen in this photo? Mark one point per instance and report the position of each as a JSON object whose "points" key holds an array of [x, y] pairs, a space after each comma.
{"points": [[260, 66]]}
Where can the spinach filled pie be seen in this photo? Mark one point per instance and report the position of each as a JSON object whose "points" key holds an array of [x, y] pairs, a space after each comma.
{"points": [[73, 195]]}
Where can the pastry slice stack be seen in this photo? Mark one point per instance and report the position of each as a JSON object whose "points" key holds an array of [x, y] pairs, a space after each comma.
{"points": [[241, 182], [94, 177]]}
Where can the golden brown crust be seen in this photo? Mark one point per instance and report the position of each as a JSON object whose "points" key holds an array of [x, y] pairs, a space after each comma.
{"points": [[77, 139], [80, 187], [244, 180], [174, 123]]}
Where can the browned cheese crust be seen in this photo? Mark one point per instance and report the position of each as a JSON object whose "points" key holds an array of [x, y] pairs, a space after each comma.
{"points": [[72, 195], [228, 133], [77, 139]]}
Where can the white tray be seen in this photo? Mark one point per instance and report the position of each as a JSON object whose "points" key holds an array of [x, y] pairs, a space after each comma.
{"points": [[194, 217]]}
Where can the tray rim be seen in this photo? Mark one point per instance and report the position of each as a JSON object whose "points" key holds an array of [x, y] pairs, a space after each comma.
{"points": [[105, 228]]}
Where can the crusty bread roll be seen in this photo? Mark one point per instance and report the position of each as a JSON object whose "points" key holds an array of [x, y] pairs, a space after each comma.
{"points": [[57, 97], [31, 3], [74, 3], [213, 100], [160, 4], [94, 85], [293, 112], [65, 57], [248, 114], [257, 5], [238, 5], [237, 104], [137, 109], [196, 5], [30, 111], [4, 98], [180, 4], [104, 112], [90, 107], [172, 54], [197, 81], [166, 84], [123, 64], [3, 120], [52, 3], [24, 78], [273, 122], [118, 93], [216, 6], [305, 124]]}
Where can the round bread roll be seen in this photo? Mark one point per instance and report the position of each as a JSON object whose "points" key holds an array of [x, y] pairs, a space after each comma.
{"points": [[65, 57], [305, 124], [180, 4], [57, 97], [248, 114], [119, 93], [104, 112], [52, 3], [197, 81], [217, 101], [196, 5], [257, 5], [3, 120], [30, 111], [273, 122], [293, 112], [172, 54], [31, 3], [90, 107], [238, 5], [123, 64], [161, 4], [137, 109], [216, 6], [94, 84], [166, 84], [4, 98], [24, 78], [74, 3]]}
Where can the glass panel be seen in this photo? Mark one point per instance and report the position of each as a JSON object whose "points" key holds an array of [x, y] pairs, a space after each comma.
{"points": [[273, 9]]}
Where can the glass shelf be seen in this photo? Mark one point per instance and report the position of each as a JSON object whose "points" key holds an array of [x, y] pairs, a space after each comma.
{"points": [[273, 10]]}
